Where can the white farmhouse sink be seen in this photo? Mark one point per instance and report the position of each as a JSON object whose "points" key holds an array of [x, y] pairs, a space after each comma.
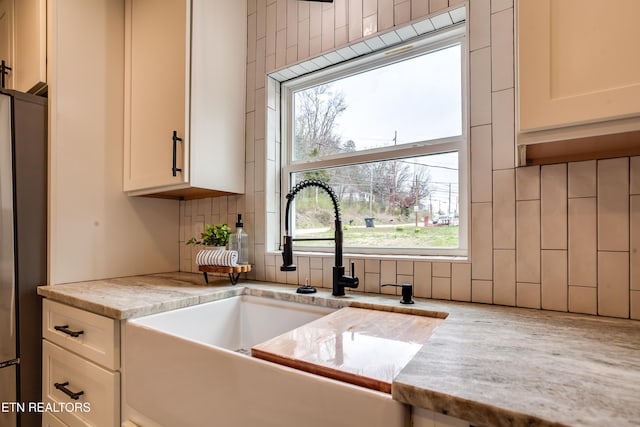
{"points": [[236, 323], [182, 368]]}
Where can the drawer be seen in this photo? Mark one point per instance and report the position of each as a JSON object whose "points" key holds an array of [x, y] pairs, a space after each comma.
{"points": [[99, 403], [50, 420], [98, 337]]}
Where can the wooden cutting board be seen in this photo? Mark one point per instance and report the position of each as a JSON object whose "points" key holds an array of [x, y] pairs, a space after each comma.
{"points": [[359, 346]]}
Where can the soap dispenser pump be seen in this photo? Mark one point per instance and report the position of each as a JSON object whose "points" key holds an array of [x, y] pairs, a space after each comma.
{"points": [[407, 291], [240, 242]]}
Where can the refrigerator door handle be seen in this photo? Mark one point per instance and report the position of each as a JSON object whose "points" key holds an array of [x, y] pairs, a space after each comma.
{"points": [[63, 388], [65, 329]]}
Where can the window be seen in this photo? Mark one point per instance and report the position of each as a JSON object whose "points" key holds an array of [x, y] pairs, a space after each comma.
{"points": [[387, 133]]}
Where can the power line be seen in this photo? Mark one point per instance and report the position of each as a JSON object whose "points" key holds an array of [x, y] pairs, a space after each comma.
{"points": [[428, 165]]}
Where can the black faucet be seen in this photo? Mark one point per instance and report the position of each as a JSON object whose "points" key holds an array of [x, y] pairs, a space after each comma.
{"points": [[340, 280]]}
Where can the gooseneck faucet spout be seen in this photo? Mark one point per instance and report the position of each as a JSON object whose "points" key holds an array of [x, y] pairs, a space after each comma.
{"points": [[340, 280]]}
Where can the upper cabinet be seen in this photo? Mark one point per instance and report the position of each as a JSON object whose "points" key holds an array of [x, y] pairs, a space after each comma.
{"points": [[578, 79], [6, 39], [184, 97], [23, 44], [30, 73]]}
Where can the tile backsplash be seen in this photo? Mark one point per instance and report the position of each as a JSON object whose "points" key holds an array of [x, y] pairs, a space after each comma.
{"points": [[559, 237]]}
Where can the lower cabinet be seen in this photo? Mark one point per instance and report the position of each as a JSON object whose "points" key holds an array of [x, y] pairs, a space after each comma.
{"points": [[83, 375], [426, 418], [50, 420], [80, 367]]}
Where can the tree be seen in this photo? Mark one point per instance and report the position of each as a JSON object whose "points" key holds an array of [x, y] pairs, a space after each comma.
{"points": [[316, 110], [420, 188], [399, 183]]}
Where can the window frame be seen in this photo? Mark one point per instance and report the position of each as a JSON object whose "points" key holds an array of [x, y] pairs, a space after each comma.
{"points": [[412, 48]]}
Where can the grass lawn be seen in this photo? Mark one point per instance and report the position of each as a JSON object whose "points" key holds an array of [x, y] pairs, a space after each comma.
{"points": [[397, 236]]}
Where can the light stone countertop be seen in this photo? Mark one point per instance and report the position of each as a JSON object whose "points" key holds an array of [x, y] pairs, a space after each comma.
{"points": [[489, 365]]}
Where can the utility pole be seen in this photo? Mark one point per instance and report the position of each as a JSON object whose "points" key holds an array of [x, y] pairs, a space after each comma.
{"points": [[393, 190], [417, 205], [370, 191], [449, 205]]}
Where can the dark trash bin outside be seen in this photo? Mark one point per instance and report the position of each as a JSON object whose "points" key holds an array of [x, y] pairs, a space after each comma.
{"points": [[369, 222]]}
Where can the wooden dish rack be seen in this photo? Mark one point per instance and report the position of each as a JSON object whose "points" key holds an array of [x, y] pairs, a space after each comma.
{"points": [[234, 272]]}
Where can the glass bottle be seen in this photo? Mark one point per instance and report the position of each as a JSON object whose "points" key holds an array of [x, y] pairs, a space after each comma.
{"points": [[240, 242]]}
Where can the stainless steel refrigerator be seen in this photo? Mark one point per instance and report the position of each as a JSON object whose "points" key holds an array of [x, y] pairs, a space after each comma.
{"points": [[23, 235]]}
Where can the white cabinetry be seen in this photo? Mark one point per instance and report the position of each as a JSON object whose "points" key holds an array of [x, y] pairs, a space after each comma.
{"points": [[23, 44], [425, 418], [578, 74], [30, 71], [50, 420], [6, 38], [80, 366], [184, 97]]}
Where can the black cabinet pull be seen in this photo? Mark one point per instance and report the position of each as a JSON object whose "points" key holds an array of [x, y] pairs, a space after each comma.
{"points": [[65, 330], [63, 388], [175, 138]]}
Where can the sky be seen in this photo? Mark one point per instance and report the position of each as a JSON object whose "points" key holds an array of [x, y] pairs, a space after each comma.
{"points": [[419, 98]]}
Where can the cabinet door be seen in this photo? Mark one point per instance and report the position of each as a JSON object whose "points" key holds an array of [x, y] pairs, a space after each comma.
{"points": [[97, 390], [156, 78], [49, 420], [31, 45], [577, 62], [218, 70], [6, 38]]}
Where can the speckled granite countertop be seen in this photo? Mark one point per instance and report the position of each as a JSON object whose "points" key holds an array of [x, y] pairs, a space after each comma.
{"points": [[490, 365]]}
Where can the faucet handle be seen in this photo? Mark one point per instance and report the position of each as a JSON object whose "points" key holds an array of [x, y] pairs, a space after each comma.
{"points": [[353, 269]]}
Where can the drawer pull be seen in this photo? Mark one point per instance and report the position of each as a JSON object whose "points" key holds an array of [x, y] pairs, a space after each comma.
{"points": [[65, 329], [63, 388]]}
